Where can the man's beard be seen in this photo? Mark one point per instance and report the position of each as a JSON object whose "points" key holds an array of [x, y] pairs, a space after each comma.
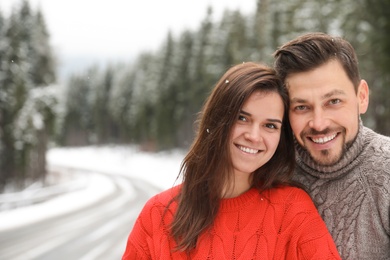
{"points": [[325, 158], [329, 161]]}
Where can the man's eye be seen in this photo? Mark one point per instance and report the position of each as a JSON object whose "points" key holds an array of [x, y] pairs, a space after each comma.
{"points": [[334, 101], [300, 108]]}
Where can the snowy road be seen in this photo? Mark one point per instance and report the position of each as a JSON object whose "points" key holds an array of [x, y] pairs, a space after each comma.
{"points": [[97, 230]]}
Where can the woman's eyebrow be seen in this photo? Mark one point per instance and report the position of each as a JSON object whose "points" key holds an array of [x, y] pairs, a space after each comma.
{"points": [[245, 113], [274, 120]]}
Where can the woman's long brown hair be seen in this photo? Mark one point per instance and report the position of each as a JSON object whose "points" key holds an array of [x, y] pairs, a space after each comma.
{"points": [[207, 168]]}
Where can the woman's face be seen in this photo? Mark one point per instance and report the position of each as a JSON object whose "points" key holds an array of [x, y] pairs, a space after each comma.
{"points": [[256, 133]]}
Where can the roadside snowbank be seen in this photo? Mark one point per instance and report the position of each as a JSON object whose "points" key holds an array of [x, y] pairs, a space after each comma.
{"points": [[159, 169]]}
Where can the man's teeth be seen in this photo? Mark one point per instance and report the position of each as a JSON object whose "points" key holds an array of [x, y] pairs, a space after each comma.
{"points": [[323, 139], [248, 150]]}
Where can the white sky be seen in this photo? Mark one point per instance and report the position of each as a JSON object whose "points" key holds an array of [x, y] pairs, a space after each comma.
{"points": [[121, 28]]}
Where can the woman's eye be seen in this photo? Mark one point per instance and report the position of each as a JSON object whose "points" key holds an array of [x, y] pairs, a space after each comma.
{"points": [[242, 118], [271, 126]]}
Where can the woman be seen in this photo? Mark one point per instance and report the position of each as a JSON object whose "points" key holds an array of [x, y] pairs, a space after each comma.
{"points": [[236, 200]]}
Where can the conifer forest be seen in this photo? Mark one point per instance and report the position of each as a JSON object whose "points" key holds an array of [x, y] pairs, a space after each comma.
{"points": [[153, 100]]}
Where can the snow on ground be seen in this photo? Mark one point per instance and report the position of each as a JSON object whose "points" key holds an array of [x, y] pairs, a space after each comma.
{"points": [[160, 169]]}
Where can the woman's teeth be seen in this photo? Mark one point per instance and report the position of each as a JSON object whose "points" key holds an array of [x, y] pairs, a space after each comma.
{"points": [[248, 150]]}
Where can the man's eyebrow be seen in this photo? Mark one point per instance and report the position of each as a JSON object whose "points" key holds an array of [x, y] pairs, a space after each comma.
{"points": [[332, 93], [325, 96], [297, 100]]}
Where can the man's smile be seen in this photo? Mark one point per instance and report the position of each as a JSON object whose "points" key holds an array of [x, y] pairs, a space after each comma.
{"points": [[322, 140]]}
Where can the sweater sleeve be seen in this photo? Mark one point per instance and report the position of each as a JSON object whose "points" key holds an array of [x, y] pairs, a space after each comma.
{"points": [[315, 241], [310, 238], [149, 237], [137, 244]]}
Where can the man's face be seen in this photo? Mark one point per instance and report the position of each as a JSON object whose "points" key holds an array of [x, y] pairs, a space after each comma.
{"points": [[324, 110]]}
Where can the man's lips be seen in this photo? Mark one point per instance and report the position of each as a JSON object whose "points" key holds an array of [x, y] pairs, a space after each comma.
{"points": [[324, 139]]}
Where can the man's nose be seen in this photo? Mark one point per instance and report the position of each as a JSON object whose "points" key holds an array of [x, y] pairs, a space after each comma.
{"points": [[319, 120]]}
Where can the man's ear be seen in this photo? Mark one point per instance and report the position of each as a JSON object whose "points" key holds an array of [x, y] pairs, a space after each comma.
{"points": [[363, 96]]}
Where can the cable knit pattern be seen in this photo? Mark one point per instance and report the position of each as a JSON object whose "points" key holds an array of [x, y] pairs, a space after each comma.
{"points": [[277, 224], [353, 197]]}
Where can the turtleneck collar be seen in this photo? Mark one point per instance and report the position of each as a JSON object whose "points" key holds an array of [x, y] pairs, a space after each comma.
{"points": [[346, 163]]}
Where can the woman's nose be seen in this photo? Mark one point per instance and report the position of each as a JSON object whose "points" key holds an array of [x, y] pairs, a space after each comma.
{"points": [[253, 134]]}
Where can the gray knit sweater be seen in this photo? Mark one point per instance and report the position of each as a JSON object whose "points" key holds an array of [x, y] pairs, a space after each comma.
{"points": [[353, 197]]}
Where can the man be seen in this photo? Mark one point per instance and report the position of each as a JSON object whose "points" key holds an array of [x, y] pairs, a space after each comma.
{"points": [[344, 165]]}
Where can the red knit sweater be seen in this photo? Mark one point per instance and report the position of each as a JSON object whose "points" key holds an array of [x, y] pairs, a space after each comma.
{"points": [[280, 223]]}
